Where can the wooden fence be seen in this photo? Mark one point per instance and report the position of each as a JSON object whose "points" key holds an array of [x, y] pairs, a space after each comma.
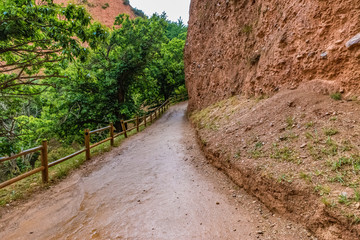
{"points": [[138, 122]]}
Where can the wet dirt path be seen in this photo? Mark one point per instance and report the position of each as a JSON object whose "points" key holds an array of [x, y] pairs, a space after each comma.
{"points": [[156, 185]]}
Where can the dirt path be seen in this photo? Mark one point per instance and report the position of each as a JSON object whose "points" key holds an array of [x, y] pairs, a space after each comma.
{"points": [[156, 185]]}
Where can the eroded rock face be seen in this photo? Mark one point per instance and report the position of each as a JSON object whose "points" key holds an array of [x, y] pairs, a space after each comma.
{"points": [[256, 47]]}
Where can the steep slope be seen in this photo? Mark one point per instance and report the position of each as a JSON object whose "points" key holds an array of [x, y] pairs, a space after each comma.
{"points": [[298, 152], [276, 134], [104, 11], [261, 46]]}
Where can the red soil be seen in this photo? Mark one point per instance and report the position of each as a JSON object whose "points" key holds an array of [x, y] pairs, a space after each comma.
{"points": [[104, 11]]}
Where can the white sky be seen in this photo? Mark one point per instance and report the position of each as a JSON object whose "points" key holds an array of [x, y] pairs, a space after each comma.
{"points": [[173, 8]]}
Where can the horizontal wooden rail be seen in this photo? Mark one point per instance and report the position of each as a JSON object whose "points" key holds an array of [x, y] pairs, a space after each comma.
{"points": [[22, 176], [103, 141], [100, 130], [66, 158], [130, 120], [149, 118], [21, 154], [118, 134], [128, 130]]}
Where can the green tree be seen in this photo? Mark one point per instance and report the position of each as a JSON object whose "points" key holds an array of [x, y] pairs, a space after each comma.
{"points": [[169, 67], [106, 87], [176, 30], [38, 40]]}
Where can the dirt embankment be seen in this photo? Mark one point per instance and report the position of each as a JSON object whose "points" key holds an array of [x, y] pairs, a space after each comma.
{"points": [[104, 11], [263, 46], [298, 152]]}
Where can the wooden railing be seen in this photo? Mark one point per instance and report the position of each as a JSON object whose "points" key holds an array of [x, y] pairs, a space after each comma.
{"points": [[138, 122]]}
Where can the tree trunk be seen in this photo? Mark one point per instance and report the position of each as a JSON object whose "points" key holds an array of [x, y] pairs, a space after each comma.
{"points": [[120, 100]]}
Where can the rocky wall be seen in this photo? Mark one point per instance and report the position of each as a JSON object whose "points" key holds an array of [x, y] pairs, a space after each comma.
{"points": [[258, 47]]}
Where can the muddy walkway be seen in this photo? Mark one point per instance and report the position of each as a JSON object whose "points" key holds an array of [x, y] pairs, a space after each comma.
{"points": [[156, 185]]}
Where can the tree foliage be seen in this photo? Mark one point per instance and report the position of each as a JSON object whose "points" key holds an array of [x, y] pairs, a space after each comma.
{"points": [[37, 42], [61, 73]]}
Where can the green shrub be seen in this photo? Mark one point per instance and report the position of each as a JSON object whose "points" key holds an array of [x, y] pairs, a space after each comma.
{"points": [[105, 6], [138, 12], [336, 96], [330, 131], [247, 29]]}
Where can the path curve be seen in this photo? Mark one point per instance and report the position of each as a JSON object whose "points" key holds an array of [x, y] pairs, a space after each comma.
{"points": [[156, 185]]}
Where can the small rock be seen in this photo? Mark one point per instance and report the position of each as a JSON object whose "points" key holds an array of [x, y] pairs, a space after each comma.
{"points": [[299, 56], [345, 194], [353, 41], [217, 203], [248, 128], [357, 205], [260, 232], [282, 138], [303, 145], [288, 226], [324, 55], [338, 41], [311, 54]]}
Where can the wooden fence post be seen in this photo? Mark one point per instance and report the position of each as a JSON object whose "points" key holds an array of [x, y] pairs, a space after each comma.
{"points": [[137, 123], [112, 134], [123, 127], [151, 119], [87, 144], [44, 162], [145, 120]]}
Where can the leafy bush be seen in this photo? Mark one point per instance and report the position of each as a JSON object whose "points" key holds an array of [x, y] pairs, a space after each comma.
{"points": [[138, 12], [336, 96], [105, 6], [247, 29]]}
